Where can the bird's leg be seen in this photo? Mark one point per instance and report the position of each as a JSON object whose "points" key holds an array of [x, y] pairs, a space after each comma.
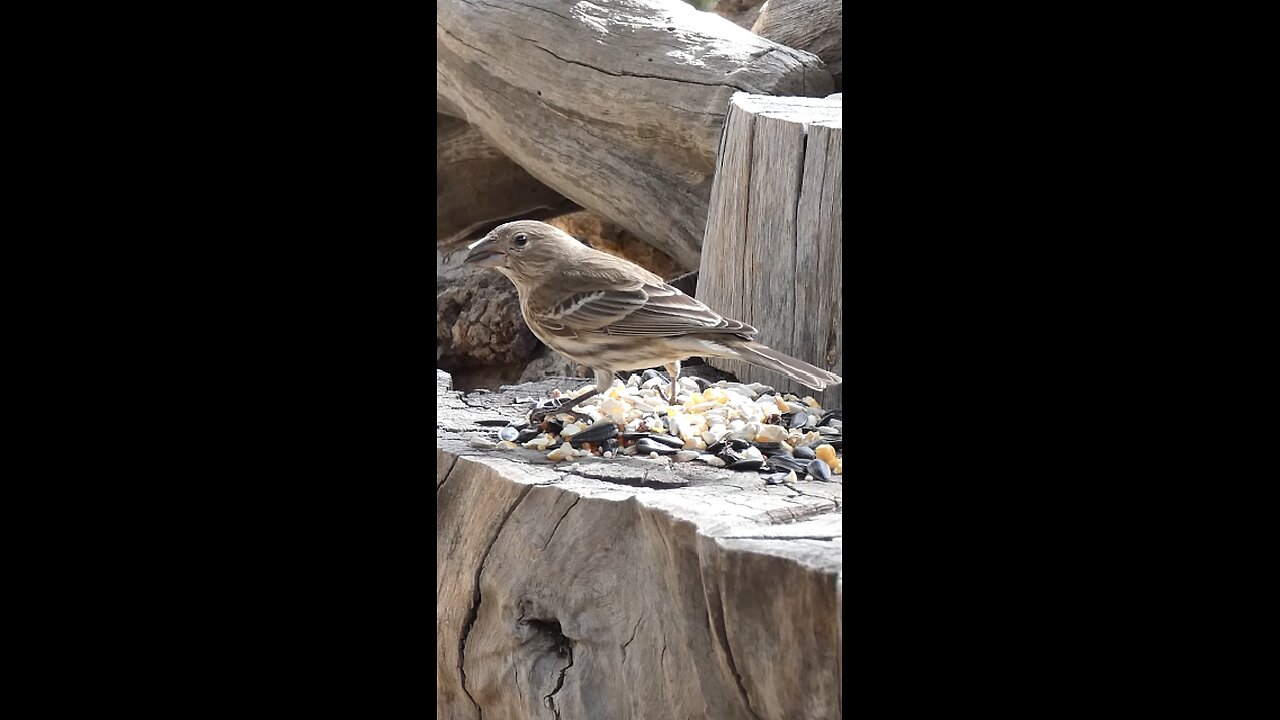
{"points": [[673, 369]]}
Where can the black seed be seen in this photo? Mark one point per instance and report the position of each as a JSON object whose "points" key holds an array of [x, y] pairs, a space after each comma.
{"points": [[554, 426], [739, 444], [674, 442], [786, 462], [819, 470], [595, 433], [527, 435], [493, 423], [647, 445], [837, 414], [801, 419], [769, 448], [716, 447], [775, 479], [804, 451], [702, 384], [649, 375], [745, 464], [634, 435]]}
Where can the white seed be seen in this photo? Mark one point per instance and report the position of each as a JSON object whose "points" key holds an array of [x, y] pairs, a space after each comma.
{"points": [[564, 452], [771, 433], [686, 455], [507, 445]]}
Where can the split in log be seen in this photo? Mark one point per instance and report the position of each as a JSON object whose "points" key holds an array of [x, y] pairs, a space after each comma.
{"points": [[627, 588], [809, 25], [616, 104], [772, 255], [479, 188]]}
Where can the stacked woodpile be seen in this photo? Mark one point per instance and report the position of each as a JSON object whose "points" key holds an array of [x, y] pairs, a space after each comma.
{"points": [[706, 147]]}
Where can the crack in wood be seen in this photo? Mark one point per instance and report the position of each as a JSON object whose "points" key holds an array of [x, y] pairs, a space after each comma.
{"points": [[452, 463], [562, 517], [474, 612], [715, 617], [549, 700], [622, 73], [633, 637]]}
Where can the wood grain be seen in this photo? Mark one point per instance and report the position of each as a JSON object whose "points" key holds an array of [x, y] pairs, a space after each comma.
{"points": [[569, 592], [773, 249], [617, 104], [811, 25], [478, 188]]}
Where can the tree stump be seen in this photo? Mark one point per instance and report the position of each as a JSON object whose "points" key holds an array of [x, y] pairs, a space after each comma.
{"points": [[772, 253], [626, 588]]}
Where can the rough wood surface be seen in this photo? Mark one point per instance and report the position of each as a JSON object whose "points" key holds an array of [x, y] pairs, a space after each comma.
{"points": [[627, 588], [772, 254], [477, 187], [810, 25], [615, 104]]}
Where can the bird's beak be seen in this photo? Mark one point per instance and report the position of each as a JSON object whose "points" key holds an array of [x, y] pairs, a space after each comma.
{"points": [[485, 253]]}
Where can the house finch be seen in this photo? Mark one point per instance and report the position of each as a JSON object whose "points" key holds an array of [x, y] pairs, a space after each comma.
{"points": [[610, 314]]}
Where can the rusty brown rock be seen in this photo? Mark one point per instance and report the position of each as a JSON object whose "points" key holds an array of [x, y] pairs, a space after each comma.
{"points": [[609, 237]]}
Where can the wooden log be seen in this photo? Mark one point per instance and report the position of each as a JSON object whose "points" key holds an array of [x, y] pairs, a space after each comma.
{"points": [[772, 255], [627, 588], [616, 104], [810, 25], [477, 187]]}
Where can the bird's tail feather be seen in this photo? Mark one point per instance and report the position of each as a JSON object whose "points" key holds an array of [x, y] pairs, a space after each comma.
{"points": [[798, 370]]}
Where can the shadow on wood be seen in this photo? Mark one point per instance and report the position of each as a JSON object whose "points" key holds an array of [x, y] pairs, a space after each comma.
{"points": [[479, 188]]}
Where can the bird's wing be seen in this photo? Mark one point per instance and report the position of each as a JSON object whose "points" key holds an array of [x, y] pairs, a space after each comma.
{"points": [[638, 307]]}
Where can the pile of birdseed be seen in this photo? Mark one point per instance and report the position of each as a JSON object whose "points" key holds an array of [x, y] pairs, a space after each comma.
{"points": [[731, 425]]}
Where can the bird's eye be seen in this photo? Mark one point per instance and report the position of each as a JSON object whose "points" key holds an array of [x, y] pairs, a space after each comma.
{"points": [[521, 240]]}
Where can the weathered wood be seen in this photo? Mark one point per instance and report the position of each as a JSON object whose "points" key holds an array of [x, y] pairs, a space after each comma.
{"points": [[477, 187], [627, 588], [810, 25], [772, 255], [615, 104]]}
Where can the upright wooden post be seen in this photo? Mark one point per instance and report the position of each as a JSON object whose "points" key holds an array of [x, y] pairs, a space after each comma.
{"points": [[772, 252]]}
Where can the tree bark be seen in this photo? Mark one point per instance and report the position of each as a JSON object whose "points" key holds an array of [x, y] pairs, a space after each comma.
{"points": [[627, 588], [617, 104], [772, 256]]}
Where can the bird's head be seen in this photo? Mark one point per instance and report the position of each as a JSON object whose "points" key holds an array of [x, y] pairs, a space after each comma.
{"points": [[523, 249]]}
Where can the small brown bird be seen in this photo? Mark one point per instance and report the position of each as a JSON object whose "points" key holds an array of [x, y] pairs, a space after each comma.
{"points": [[610, 314]]}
